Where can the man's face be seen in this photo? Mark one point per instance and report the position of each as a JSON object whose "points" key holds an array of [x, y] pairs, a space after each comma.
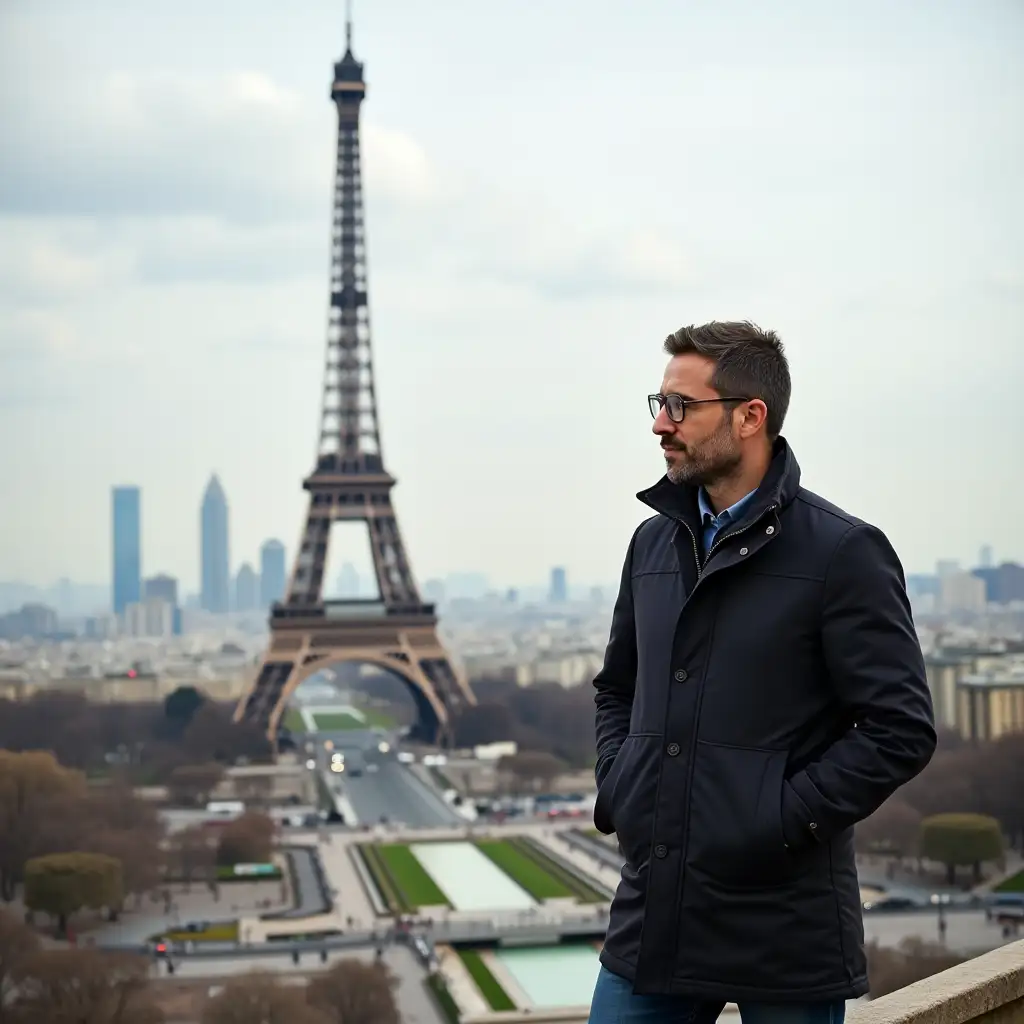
{"points": [[703, 448]]}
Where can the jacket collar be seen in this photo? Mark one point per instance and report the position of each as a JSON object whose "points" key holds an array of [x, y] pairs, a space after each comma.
{"points": [[778, 488]]}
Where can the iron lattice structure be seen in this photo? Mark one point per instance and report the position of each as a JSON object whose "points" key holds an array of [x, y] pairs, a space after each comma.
{"points": [[398, 631]]}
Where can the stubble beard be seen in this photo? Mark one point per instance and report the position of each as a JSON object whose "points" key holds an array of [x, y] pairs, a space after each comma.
{"points": [[715, 459]]}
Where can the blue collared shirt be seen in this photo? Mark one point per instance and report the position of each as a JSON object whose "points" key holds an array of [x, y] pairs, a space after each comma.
{"points": [[712, 523]]}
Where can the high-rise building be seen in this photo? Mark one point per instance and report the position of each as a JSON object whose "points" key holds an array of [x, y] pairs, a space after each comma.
{"points": [[247, 589], [559, 587], [349, 584], [126, 517], [213, 558], [161, 588], [272, 573], [985, 557]]}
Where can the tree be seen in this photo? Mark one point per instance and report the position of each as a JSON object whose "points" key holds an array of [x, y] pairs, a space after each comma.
{"points": [[212, 735], [85, 986], [955, 839], [533, 770], [248, 839], [483, 723], [17, 942], [62, 883], [894, 828], [353, 992], [31, 786], [128, 829], [180, 708], [192, 784], [190, 854], [261, 999]]}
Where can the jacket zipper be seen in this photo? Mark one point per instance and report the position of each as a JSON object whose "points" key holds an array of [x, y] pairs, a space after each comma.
{"points": [[718, 542]]}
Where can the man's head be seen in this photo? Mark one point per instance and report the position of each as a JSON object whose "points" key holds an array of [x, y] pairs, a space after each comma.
{"points": [[729, 383]]}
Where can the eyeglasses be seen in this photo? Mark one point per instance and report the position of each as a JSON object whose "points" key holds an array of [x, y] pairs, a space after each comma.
{"points": [[677, 405]]}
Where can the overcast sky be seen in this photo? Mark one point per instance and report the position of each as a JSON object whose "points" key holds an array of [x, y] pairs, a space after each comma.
{"points": [[552, 188]]}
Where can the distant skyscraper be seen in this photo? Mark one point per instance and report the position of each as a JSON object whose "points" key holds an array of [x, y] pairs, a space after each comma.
{"points": [[985, 557], [161, 588], [127, 546], [348, 581], [946, 567], [247, 589], [213, 528], [272, 573], [559, 587]]}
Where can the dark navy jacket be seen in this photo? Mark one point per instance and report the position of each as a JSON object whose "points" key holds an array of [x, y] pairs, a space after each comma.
{"points": [[749, 713]]}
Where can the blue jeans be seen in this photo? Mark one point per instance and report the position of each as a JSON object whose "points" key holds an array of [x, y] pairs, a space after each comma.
{"points": [[615, 1003]]}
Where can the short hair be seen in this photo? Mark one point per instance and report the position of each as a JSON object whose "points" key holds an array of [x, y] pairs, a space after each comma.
{"points": [[748, 362]]}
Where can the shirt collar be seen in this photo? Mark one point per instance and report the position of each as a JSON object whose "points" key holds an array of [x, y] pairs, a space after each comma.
{"points": [[731, 514]]}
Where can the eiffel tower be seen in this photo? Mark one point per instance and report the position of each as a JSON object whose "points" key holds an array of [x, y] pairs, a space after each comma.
{"points": [[397, 631]]}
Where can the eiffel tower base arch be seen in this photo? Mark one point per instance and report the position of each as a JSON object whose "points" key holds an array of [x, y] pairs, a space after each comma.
{"points": [[411, 651]]}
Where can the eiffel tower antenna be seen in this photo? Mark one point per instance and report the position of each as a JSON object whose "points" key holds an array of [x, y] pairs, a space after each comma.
{"points": [[348, 26]]}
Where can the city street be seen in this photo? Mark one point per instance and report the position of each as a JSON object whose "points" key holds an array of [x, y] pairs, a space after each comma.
{"points": [[385, 788]]}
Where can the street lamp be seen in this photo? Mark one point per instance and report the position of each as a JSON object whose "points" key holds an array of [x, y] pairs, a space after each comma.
{"points": [[940, 900]]}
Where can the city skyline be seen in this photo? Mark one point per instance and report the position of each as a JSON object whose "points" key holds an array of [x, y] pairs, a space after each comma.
{"points": [[501, 273]]}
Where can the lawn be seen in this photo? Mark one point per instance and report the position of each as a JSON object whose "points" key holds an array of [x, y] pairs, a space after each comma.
{"points": [[400, 878], [335, 721], [497, 998], [540, 874], [293, 720], [338, 721], [1015, 883]]}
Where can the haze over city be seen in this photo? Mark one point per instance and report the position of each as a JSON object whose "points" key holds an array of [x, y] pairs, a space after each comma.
{"points": [[548, 196]]}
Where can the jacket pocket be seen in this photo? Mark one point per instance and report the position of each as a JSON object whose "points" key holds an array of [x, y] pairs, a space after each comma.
{"points": [[735, 832], [625, 800]]}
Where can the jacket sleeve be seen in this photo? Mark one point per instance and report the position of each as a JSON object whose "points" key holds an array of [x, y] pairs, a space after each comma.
{"points": [[876, 668], [616, 682]]}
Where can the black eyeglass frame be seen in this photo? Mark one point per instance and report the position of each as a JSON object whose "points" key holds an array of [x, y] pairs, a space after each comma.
{"points": [[658, 402]]}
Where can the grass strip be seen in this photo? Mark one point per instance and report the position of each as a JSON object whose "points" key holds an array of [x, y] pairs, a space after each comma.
{"points": [[382, 878], [413, 882], [337, 721], [1015, 883], [524, 871], [293, 721], [436, 984], [497, 998], [583, 891]]}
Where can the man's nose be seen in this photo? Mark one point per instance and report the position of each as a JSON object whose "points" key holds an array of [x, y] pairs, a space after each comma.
{"points": [[662, 424]]}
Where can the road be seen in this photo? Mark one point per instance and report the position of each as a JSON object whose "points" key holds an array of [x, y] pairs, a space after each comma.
{"points": [[385, 787]]}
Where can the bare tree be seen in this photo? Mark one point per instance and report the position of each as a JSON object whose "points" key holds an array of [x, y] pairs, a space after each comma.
{"points": [[261, 998], [354, 992], [85, 986], [192, 784], [17, 942]]}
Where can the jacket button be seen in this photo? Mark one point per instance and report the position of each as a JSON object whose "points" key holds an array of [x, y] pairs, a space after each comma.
{"points": [[673, 749], [679, 675], [743, 551], [661, 851], [770, 530], [813, 826]]}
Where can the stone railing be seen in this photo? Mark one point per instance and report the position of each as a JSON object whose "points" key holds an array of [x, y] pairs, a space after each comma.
{"points": [[988, 990]]}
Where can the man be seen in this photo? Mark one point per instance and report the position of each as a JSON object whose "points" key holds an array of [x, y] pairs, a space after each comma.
{"points": [[763, 690]]}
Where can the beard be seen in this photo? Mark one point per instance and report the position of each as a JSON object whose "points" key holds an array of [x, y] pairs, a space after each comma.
{"points": [[704, 464]]}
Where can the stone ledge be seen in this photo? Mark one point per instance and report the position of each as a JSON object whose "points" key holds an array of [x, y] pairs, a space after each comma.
{"points": [[985, 987]]}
